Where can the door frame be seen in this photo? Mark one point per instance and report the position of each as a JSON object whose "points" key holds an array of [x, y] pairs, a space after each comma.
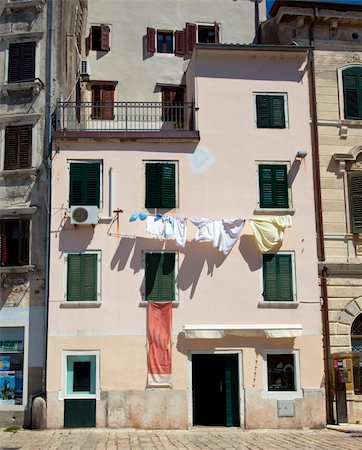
{"points": [[223, 351]]}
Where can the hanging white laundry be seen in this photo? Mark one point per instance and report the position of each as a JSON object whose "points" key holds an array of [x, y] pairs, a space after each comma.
{"points": [[269, 231], [180, 231], [205, 229], [155, 225], [230, 230], [168, 231]]}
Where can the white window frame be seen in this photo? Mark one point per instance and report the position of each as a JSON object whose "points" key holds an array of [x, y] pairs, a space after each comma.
{"points": [[260, 210], [101, 177], [286, 110], [177, 189], [63, 393], [83, 304], [278, 303], [340, 71], [144, 302], [161, 54], [285, 395]]}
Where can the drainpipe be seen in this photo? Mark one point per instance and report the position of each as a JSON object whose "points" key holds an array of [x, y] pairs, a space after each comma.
{"points": [[319, 220], [48, 164], [256, 20]]}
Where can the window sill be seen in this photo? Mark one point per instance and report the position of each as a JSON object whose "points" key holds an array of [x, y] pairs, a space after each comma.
{"points": [[34, 86], [143, 304], [14, 212], [278, 304], [85, 304], [36, 35], [289, 211], [18, 172], [17, 269]]}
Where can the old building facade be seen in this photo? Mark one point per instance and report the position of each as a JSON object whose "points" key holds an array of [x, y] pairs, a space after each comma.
{"points": [[335, 31]]}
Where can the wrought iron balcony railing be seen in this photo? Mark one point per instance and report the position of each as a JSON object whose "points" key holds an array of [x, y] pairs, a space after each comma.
{"points": [[124, 116]]}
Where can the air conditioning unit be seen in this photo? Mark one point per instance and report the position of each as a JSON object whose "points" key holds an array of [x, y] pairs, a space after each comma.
{"points": [[84, 215], [85, 67]]}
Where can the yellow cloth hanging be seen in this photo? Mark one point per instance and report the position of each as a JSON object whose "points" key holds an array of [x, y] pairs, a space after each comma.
{"points": [[269, 231]]}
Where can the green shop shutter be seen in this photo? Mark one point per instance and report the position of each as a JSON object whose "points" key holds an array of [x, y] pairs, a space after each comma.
{"points": [[160, 277], [352, 89], [277, 277], [79, 413], [82, 277], [273, 186], [84, 184], [355, 201]]}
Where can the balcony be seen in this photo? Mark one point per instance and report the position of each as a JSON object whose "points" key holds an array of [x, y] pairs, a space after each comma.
{"points": [[126, 120]]}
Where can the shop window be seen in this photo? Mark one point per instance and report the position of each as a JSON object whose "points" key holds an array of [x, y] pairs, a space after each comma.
{"points": [[21, 62], [18, 147], [81, 375], [356, 341], [352, 92], [99, 38], [164, 41], [85, 179], [173, 105], [103, 102], [160, 277], [281, 372], [270, 110], [83, 270], [273, 186], [278, 277], [160, 185], [14, 243], [355, 200], [11, 365]]}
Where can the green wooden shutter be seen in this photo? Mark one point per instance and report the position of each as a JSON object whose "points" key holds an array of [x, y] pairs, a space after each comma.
{"points": [[270, 111], [160, 277], [84, 184], [263, 111], [153, 185], [277, 110], [82, 277], [352, 89], [168, 186], [277, 277], [273, 186], [355, 201]]}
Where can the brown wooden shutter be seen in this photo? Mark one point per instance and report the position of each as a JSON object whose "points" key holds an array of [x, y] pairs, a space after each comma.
{"points": [[180, 42], [11, 148], [28, 61], [151, 40], [105, 30], [96, 102], [18, 147], [168, 99], [191, 29], [217, 33], [108, 102], [25, 141]]}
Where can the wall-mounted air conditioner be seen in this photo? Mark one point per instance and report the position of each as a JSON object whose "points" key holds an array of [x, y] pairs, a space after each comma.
{"points": [[84, 215], [85, 69]]}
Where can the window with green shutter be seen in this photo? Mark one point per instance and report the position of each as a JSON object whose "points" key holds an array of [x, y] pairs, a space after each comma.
{"points": [[160, 185], [278, 277], [273, 186], [270, 111], [84, 183], [82, 277], [352, 93], [160, 277], [355, 200]]}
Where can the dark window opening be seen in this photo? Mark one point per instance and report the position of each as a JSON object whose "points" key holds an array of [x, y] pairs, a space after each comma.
{"points": [[81, 376], [281, 372], [164, 41], [14, 242], [99, 38], [103, 102], [173, 105], [206, 34]]}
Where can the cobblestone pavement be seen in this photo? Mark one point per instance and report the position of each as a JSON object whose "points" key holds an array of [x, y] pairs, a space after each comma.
{"points": [[96, 439]]}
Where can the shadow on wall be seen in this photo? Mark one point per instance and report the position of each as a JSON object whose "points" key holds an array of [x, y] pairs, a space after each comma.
{"points": [[73, 242], [249, 252]]}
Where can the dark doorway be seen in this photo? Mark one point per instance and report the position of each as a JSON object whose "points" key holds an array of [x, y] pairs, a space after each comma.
{"points": [[215, 390]]}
